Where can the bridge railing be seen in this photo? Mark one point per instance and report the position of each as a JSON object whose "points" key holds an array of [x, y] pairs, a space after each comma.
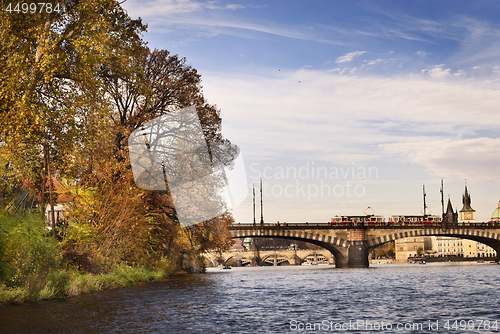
{"points": [[364, 223]]}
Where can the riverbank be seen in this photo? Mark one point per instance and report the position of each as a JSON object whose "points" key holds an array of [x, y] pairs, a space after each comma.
{"points": [[434, 259], [66, 283], [453, 259], [35, 266]]}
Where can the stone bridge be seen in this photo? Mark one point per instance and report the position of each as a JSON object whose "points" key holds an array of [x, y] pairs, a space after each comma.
{"points": [[350, 245], [272, 257]]}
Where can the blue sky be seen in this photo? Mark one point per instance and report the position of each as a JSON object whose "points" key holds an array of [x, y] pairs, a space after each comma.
{"points": [[408, 91]]}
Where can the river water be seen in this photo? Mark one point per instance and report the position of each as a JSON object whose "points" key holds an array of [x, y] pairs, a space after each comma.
{"points": [[432, 298]]}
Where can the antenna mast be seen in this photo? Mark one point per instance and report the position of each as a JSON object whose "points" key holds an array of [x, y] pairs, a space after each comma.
{"points": [[425, 205], [253, 187], [442, 199], [261, 206]]}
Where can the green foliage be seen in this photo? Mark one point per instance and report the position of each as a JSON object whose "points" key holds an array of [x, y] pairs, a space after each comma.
{"points": [[420, 251], [14, 295], [386, 250], [25, 248], [57, 283]]}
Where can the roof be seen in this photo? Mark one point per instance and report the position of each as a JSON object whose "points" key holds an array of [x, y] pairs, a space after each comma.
{"points": [[496, 212], [56, 186], [449, 208]]}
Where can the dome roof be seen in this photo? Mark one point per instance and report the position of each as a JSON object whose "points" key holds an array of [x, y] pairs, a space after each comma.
{"points": [[496, 213]]}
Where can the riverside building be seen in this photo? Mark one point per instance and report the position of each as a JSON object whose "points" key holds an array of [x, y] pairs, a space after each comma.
{"points": [[449, 246]]}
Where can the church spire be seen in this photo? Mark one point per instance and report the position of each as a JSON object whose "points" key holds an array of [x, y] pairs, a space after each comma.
{"points": [[466, 201], [449, 209], [450, 217]]}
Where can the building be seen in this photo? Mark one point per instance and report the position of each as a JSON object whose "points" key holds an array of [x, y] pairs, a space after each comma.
{"points": [[485, 251], [61, 198], [469, 248], [467, 214], [237, 246], [445, 246], [408, 247], [451, 246]]}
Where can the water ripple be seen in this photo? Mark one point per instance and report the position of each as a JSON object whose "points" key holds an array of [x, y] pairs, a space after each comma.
{"points": [[274, 300]]}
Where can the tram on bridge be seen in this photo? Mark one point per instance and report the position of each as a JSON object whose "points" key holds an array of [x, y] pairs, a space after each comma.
{"points": [[397, 220], [373, 221]]}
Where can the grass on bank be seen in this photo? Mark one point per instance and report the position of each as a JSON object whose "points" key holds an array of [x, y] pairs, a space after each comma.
{"points": [[65, 283], [33, 268]]}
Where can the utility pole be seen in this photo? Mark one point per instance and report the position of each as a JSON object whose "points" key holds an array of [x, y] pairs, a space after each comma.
{"points": [[51, 198], [44, 174]]}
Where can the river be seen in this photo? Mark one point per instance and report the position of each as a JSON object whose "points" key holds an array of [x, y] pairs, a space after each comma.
{"points": [[432, 298]]}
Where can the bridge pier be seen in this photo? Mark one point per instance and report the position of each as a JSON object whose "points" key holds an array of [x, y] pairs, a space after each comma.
{"points": [[295, 260], [358, 250], [358, 255]]}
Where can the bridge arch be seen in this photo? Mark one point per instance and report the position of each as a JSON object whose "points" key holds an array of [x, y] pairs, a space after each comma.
{"points": [[234, 257], [278, 258], [486, 237], [337, 246], [314, 255]]}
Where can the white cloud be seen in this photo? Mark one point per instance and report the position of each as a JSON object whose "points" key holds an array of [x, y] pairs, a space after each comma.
{"points": [[346, 118], [477, 158], [349, 56], [164, 7], [163, 15], [373, 62], [480, 44], [376, 62], [438, 72], [423, 53], [234, 6]]}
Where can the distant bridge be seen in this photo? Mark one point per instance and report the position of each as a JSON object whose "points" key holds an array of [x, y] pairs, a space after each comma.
{"points": [[272, 257], [351, 244]]}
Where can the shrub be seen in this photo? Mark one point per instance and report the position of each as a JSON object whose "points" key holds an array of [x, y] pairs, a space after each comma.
{"points": [[25, 248]]}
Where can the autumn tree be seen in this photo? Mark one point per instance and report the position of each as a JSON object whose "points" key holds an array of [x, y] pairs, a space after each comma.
{"points": [[50, 91], [80, 80], [165, 84]]}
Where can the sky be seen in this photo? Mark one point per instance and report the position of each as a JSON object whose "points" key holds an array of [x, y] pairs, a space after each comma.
{"points": [[343, 105]]}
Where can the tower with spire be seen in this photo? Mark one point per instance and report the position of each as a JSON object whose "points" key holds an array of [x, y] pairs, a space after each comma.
{"points": [[467, 214], [450, 216]]}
